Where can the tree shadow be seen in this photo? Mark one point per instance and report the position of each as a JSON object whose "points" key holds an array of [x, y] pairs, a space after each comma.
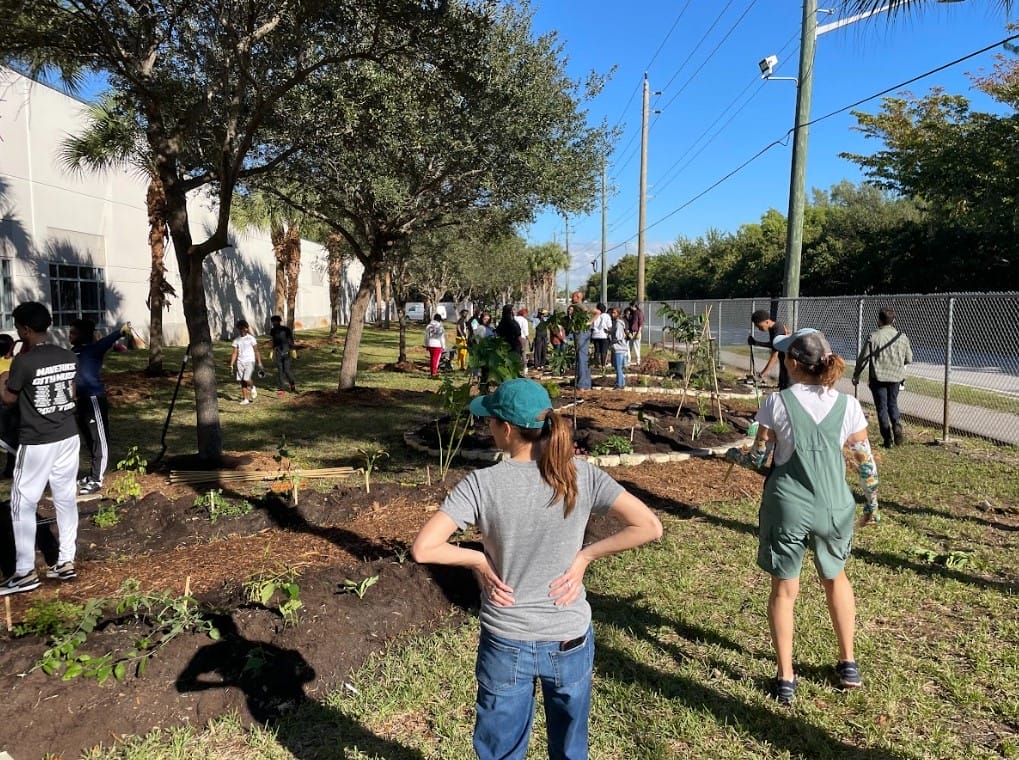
{"points": [[273, 680], [929, 570], [224, 272], [776, 726], [930, 511]]}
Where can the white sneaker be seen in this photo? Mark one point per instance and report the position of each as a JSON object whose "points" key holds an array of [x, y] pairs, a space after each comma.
{"points": [[254, 393], [244, 401]]}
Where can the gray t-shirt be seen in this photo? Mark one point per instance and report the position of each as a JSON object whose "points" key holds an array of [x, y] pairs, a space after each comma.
{"points": [[530, 543]]}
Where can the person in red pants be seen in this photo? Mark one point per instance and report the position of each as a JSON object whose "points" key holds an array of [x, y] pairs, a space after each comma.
{"points": [[435, 342]]}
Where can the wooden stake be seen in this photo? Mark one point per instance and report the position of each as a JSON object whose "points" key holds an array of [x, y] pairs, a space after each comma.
{"points": [[7, 614], [187, 586]]}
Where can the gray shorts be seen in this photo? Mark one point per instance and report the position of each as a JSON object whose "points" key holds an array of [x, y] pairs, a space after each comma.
{"points": [[244, 371]]}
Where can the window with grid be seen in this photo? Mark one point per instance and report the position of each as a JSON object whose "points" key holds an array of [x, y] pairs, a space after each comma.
{"points": [[77, 291]]}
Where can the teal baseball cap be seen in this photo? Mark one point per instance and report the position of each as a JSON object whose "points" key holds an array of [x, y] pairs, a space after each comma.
{"points": [[519, 402]]}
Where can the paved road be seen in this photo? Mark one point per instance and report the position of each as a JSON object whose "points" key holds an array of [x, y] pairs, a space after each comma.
{"points": [[963, 418]]}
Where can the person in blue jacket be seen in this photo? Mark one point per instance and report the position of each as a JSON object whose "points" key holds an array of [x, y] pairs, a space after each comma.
{"points": [[93, 410]]}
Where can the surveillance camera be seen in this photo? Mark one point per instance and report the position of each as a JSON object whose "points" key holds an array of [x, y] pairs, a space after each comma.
{"points": [[767, 65]]}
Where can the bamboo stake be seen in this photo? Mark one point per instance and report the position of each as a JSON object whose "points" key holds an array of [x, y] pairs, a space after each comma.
{"points": [[7, 614]]}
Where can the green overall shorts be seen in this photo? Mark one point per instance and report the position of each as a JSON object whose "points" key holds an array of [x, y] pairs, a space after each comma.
{"points": [[807, 500]]}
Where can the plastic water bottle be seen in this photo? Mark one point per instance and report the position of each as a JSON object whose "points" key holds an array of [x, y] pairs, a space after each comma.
{"points": [[752, 430]]}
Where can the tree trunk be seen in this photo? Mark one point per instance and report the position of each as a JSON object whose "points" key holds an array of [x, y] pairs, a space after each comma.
{"points": [[378, 299], [335, 286], [196, 315], [352, 344], [277, 234], [401, 316], [155, 203], [388, 296], [293, 266]]}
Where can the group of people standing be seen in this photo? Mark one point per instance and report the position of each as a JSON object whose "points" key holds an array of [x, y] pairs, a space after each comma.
{"points": [[614, 335]]}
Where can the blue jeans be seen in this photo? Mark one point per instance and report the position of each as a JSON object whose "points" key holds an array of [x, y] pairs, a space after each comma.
{"points": [[619, 362], [886, 404], [582, 341], [506, 670]]}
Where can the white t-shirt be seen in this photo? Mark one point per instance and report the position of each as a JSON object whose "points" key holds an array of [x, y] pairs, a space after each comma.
{"points": [[435, 335], [817, 401], [525, 325], [602, 326], [245, 345]]}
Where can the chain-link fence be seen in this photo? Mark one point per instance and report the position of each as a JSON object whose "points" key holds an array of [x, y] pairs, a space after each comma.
{"points": [[964, 378]]}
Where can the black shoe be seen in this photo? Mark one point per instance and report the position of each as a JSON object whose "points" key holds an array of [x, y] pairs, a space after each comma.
{"points": [[849, 675], [783, 692], [899, 436], [90, 486]]}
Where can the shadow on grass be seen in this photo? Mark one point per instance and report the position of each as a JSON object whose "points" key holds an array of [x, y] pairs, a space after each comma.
{"points": [[777, 727], [272, 681], [896, 562], [930, 512]]}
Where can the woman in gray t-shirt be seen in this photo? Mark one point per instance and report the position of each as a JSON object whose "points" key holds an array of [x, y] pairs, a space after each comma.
{"points": [[532, 510]]}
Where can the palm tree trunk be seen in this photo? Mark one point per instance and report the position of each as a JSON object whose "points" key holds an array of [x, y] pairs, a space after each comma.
{"points": [[387, 295], [293, 267], [155, 203], [277, 235]]}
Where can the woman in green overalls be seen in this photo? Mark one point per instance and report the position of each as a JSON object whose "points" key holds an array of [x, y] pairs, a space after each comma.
{"points": [[807, 501]]}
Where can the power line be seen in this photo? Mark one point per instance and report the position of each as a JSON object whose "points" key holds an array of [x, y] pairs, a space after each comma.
{"points": [[710, 55], [662, 183], [654, 57], [699, 43], [785, 137]]}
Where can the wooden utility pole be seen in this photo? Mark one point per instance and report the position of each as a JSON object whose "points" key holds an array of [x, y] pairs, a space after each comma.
{"points": [[642, 214], [604, 238]]}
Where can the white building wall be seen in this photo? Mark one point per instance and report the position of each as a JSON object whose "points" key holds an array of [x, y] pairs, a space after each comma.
{"points": [[51, 215]]}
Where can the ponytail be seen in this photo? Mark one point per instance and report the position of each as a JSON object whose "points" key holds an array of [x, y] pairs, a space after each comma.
{"points": [[555, 462], [826, 372]]}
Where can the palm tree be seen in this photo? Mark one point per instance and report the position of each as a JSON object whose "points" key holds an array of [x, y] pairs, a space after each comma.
{"points": [[544, 261], [113, 137], [262, 211], [851, 7]]}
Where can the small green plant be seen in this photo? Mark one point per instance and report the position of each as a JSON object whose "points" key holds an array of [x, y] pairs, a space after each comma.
{"points": [[133, 462], [454, 399], [49, 618], [126, 486], [561, 361], [954, 560], [359, 587], [614, 444], [494, 360], [166, 615], [721, 427], [106, 516], [289, 469], [553, 390], [219, 506], [696, 429], [264, 586], [371, 459]]}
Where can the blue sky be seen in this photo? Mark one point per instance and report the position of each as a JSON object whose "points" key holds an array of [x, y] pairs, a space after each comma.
{"points": [[716, 112]]}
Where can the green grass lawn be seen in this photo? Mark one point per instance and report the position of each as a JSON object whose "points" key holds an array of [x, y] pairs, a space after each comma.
{"points": [[683, 649]]}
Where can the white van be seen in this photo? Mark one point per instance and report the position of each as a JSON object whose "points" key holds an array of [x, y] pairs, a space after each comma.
{"points": [[416, 311]]}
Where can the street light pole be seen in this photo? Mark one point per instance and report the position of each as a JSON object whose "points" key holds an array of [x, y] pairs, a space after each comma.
{"points": [[798, 173]]}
